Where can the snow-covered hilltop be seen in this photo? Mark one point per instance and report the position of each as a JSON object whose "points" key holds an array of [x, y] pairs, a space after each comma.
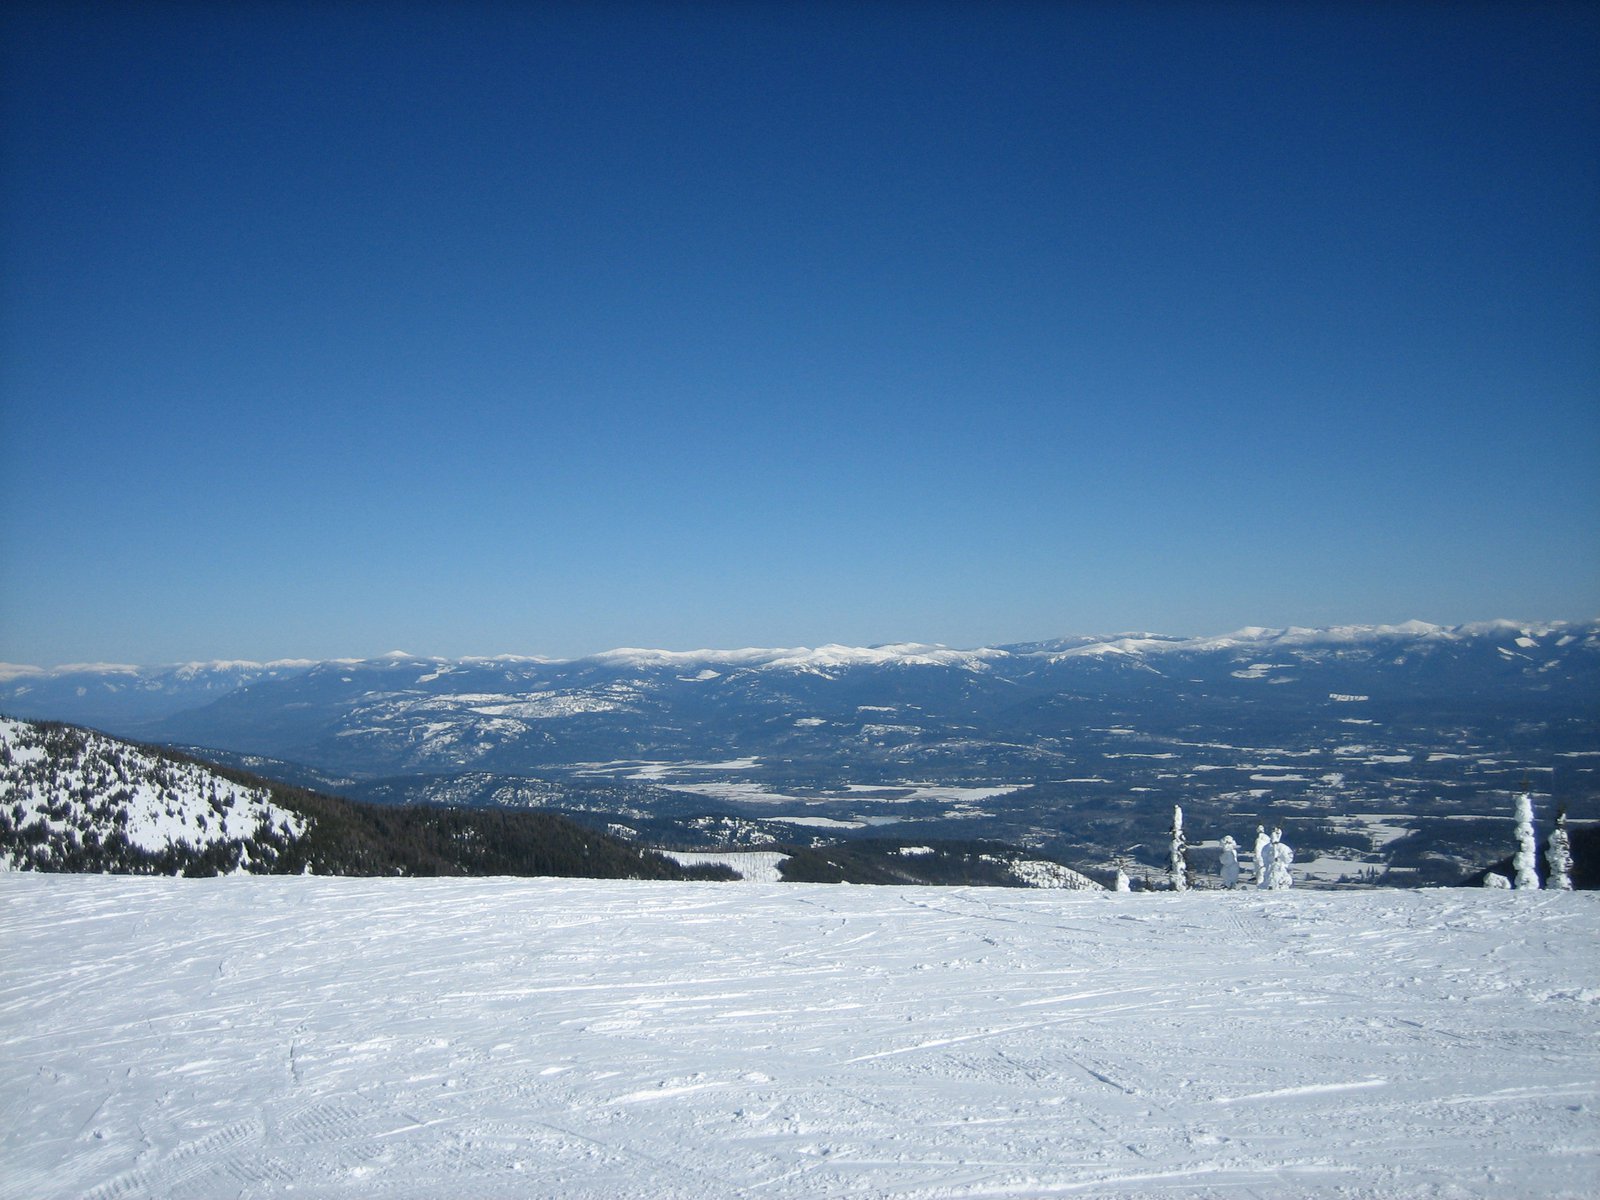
{"points": [[71, 799]]}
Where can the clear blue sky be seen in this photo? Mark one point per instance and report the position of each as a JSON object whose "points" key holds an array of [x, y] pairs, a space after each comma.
{"points": [[476, 328]]}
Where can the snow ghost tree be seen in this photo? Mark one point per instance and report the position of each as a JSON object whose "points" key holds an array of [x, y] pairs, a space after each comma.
{"points": [[1558, 855], [1263, 862], [1495, 880], [1526, 860], [1230, 862], [1121, 884], [1177, 866], [1273, 867]]}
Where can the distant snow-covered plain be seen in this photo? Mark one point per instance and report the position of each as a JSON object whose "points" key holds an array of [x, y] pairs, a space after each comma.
{"points": [[251, 1037]]}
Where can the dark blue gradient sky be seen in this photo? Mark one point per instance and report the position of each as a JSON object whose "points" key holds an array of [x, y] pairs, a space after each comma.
{"points": [[470, 328]]}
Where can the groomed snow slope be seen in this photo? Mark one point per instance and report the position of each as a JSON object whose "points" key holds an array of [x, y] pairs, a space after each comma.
{"points": [[246, 1037]]}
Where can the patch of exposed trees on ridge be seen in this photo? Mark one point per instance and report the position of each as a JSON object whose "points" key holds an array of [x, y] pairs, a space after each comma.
{"points": [[68, 798]]}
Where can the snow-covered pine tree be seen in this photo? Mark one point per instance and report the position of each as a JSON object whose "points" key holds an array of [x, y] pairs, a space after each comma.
{"points": [[1494, 879], [1558, 855], [1230, 862], [1275, 874], [1262, 842], [1177, 865], [1526, 860], [1125, 867]]}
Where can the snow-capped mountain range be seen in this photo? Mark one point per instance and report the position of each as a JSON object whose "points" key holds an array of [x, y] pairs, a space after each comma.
{"points": [[1066, 744], [135, 698]]}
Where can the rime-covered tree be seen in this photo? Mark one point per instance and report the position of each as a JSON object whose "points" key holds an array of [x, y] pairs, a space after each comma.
{"points": [[1262, 842], [1273, 867], [1526, 860], [1177, 864], [1230, 862], [1121, 883], [1495, 880], [1558, 855], [1126, 867]]}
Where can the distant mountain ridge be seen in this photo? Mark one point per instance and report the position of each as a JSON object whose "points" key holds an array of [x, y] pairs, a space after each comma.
{"points": [[1385, 746], [131, 699], [831, 654]]}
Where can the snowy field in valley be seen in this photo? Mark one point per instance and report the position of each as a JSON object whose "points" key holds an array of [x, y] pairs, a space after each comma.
{"points": [[247, 1037]]}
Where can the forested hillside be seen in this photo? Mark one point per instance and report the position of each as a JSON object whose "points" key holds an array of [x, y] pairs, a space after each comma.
{"points": [[75, 800]]}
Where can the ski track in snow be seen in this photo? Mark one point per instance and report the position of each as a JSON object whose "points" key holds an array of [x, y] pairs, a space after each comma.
{"points": [[253, 1037]]}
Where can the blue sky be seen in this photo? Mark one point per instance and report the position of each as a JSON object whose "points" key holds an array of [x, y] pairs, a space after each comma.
{"points": [[479, 328]]}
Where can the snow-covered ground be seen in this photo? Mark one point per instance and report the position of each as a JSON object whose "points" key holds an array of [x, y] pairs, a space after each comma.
{"points": [[753, 866], [246, 1037]]}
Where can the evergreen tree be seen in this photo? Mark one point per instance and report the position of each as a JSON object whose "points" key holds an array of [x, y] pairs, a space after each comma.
{"points": [[1262, 842], [1527, 857], [1558, 855], [1177, 865], [1230, 862], [1273, 868]]}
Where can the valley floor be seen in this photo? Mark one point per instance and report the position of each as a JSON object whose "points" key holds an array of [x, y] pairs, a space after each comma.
{"points": [[253, 1037]]}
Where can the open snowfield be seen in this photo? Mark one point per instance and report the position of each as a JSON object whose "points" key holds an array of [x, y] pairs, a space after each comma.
{"points": [[246, 1037]]}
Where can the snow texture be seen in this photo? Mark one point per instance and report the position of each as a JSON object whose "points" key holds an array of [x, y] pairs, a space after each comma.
{"points": [[256, 1037]]}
